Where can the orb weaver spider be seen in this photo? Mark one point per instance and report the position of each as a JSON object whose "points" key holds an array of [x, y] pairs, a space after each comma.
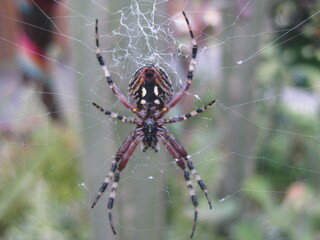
{"points": [[150, 98]]}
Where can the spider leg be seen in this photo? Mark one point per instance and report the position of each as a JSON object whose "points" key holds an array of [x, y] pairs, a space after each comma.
{"points": [[192, 64], [110, 82], [114, 165], [181, 163], [122, 164], [115, 115], [179, 148], [188, 115]]}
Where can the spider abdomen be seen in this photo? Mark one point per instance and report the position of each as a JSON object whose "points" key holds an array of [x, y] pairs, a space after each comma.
{"points": [[150, 86]]}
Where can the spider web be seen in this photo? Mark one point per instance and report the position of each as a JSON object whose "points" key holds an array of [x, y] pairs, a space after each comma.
{"points": [[251, 120]]}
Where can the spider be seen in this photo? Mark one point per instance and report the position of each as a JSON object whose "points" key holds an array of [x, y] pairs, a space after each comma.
{"points": [[150, 98]]}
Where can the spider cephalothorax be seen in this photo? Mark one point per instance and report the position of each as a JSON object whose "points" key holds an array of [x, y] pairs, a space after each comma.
{"points": [[150, 98], [150, 129]]}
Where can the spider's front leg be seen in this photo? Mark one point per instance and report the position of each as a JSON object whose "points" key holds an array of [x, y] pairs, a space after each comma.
{"points": [[120, 161], [180, 149], [182, 165], [185, 163]]}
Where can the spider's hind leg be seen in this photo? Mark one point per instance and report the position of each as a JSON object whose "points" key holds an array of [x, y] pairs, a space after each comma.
{"points": [[116, 91]]}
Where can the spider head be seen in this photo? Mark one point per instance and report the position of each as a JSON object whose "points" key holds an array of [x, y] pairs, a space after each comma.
{"points": [[150, 86]]}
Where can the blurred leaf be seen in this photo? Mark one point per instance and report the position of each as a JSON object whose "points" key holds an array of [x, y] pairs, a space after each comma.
{"points": [[259, 190], [247, 230]]}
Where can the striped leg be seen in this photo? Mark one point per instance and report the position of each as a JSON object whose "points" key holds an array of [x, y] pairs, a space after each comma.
{"points": [[194, 51], [112, 198], [193, 198], [182, 165], [109, 80], [115, 115], [105, 183], [115, 183], [120, 154], [198, 178], [192, 64], [178, 147], [188, 115]]}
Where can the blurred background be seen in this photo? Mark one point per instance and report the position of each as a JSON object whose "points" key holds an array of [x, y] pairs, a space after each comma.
{"points": [[257, 149]]}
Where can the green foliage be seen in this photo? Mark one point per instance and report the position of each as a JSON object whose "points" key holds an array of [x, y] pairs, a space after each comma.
{"points": [[247, 230], [295, 216], [289, 151], [40, 197]]}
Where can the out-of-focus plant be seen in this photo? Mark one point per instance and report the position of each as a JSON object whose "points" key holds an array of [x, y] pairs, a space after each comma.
{"points": [[297, 24], [290, 214], [40, 195]]}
